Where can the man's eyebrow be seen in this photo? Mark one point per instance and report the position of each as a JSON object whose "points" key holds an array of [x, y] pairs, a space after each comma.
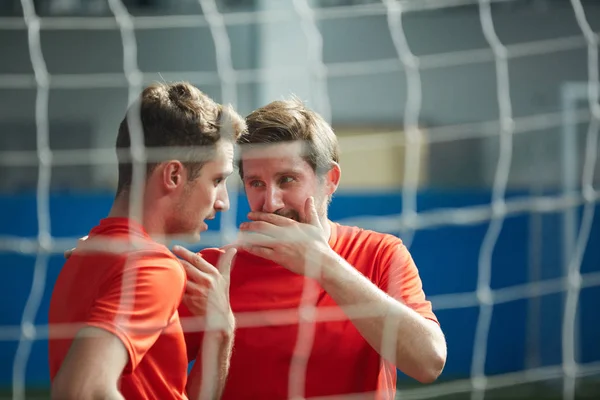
{"points": [[225, 173], [279, 174], [289, 172]]}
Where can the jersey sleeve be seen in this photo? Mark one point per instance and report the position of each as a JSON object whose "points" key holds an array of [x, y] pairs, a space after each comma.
{"points": [[399, 277], [139, 302]]}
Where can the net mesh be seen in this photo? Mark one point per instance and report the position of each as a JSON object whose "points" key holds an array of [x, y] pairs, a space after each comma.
{"points": [[410, 220]]}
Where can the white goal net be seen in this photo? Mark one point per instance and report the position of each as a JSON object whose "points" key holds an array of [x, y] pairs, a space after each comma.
{"points": [[499, 97]]}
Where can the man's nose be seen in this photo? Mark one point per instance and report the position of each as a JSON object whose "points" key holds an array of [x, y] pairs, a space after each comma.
{"points": [[273, 199], [222, 202]]}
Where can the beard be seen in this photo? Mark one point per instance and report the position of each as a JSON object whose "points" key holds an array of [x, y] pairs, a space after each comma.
{"points": [[320, 204], [289, 213]]}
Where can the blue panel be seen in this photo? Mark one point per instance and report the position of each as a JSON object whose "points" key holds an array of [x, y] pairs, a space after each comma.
{"points": [[447, 258]]}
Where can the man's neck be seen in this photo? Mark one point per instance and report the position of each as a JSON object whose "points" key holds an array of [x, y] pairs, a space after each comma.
{"points": [[121, 209], [151, 222]]}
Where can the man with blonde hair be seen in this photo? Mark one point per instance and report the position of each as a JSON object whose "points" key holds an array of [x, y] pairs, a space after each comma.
{"points": [[329, 310]]}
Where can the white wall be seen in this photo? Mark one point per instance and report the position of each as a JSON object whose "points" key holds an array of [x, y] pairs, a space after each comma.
{"points": [[464, 93], [451, 95]]}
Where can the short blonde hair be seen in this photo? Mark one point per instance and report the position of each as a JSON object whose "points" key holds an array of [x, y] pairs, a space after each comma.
{"points": [[290, 120]]}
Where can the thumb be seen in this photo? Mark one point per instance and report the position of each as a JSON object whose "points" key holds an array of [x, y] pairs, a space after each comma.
{"points": [[310, 210], [226, 262]]}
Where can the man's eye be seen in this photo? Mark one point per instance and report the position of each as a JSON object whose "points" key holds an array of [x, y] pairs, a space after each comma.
{"points": [[286, 179]]}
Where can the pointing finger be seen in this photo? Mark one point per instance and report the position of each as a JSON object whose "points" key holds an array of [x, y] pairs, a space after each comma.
{"points": [[194, 259], [226, 262]]}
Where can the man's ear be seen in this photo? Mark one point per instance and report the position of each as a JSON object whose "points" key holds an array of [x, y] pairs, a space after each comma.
{"points": [[173, 174], [332, 178]]}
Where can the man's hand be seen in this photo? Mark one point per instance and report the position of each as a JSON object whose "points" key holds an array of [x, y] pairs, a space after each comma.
{"points": [[68, 253], [299, 247], [207, 289], [207, 295]]}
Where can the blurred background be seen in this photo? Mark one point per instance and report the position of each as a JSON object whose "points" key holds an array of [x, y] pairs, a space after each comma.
{"points": [[350, 60]]}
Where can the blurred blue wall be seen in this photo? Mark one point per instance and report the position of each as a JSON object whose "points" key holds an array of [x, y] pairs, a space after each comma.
{"points": [[447, 258]]}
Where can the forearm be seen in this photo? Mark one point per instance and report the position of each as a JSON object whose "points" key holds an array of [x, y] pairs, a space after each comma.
{"points": [[92, 367], [207, 378], [415, 345], [113, 394], [74, 391]]}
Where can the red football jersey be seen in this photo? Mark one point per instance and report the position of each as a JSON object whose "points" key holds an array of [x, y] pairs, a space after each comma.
{"points": [[326, 358], [134, 295]]}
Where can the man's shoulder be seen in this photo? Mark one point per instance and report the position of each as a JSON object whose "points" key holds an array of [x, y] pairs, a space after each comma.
{"points": [[122, 248], [361, 236], [117, 248], [366, 248], [371, 252]]}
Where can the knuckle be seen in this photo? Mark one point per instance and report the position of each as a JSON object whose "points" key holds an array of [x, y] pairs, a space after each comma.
{"points": [[193, 289], [211, 282], [191, 273], [196, 259]]}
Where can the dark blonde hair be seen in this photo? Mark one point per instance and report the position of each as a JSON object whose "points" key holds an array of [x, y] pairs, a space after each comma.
{"points": [[181, 122], [290, 120]]}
